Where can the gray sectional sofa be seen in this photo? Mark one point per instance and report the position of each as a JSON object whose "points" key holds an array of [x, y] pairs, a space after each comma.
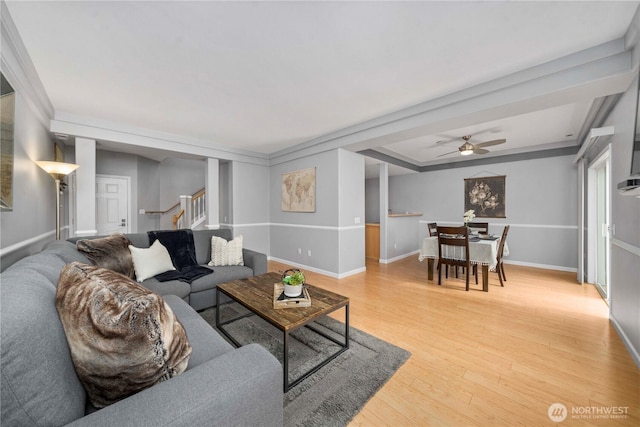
{"points": [[201, 293], [39, 386]]}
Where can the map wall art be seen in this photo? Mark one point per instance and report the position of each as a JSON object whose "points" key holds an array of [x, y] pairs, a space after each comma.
{"points": [[299, 191]]}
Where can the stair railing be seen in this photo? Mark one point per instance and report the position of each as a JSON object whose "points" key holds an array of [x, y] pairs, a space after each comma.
{"points": [[193, 210]]}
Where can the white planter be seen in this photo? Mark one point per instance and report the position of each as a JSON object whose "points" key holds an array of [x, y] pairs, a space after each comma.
{"points": [[292, 291]]}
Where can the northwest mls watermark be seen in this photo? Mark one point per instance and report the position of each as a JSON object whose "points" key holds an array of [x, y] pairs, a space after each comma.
{"points": [[558, 412]]}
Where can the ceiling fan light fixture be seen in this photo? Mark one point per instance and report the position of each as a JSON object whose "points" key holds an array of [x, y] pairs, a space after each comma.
{"points": [[466, 149]]}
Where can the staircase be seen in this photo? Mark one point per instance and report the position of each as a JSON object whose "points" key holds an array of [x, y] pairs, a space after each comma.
{"points": [[191, 211]]}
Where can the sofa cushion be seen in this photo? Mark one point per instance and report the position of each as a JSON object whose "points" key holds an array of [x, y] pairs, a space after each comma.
{"points": [[66, 251], [139, 240], [151, 261], [202, 242], [170, 287], [225, 252], [207, 344], [45, 263], [111, 252], [39, 383], [221, 275], [123, 337]]}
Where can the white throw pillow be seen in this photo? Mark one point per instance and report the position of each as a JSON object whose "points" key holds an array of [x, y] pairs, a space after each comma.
{"points": [[147, 262], [225, 252]]}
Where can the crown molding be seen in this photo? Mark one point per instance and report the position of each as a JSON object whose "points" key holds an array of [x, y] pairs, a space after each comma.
{"points": [[19, 70]]}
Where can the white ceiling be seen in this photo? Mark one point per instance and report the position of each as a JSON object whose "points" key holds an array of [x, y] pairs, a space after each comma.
{"points": [[265, 76]]}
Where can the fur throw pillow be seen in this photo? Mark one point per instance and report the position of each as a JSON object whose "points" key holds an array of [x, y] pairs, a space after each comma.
{"points": [[110, 252], [123, 337]]}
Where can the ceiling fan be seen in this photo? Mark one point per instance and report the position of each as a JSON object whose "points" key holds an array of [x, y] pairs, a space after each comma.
{"points": [[468, 148]]}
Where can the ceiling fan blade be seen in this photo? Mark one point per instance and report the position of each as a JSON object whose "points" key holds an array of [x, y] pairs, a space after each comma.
{"points": [[446, 154], [440, 143], [480, 151], [490, 143]]}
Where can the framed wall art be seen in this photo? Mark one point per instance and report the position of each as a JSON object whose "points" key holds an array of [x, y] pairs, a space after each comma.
{"points": [[299, 191], [486, 196], [7, 113]]}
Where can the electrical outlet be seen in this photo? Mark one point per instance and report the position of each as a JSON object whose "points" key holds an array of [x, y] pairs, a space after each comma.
{"points": [[299, 251], [357, 220], [142, 212], [309, 252]]}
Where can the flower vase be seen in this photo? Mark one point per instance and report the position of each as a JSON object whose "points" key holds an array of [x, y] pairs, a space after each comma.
{"points": [[292, 291]]}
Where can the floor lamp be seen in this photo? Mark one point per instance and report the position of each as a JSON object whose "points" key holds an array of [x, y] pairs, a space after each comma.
{"points": [[57, 170]]}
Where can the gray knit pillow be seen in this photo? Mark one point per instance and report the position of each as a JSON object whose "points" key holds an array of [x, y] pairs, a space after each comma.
{"points": [[123, 337]]}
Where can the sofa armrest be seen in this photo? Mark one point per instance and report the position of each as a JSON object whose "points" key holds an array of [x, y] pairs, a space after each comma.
{"points": [[255, 260], [240, 388]]}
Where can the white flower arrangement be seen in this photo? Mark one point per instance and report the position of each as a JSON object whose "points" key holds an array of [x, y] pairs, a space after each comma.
{"points": [[468, 216]]}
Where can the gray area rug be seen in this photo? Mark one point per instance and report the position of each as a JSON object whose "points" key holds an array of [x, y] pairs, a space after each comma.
{"points": [[337, 392]]}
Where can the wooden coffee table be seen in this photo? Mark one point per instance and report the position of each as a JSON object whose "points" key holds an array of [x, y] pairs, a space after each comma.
{"points": [[256, 294]]}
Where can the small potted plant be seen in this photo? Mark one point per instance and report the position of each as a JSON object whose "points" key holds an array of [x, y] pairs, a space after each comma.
{"points": [[293, 281]]}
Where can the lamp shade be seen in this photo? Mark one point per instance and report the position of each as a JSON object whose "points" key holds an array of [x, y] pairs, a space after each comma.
{"points": [[57, 168]]}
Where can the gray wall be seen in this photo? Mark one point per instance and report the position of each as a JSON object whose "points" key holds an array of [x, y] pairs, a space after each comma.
{"points": [[541, 206], [330, 233], [351, 218], [31, 223], [178, 177], [154, 185], [148, 194], [625, 215], [249, 206], [372, 200]]}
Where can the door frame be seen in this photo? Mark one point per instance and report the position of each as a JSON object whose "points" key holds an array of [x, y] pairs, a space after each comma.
{"points": [[604, 157], [129, 205]]}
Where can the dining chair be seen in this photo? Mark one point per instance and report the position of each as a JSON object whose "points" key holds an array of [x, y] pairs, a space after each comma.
{"points": [[480, 227], [457, 237], [432, 228], [500, 264]]}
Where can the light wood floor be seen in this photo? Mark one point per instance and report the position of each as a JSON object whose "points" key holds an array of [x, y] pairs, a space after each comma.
{"points": [[490, 359]]}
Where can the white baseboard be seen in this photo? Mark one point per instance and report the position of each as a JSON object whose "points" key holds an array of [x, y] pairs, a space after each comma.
{"points": [[318, 270], [625, 339], [398, 258], [86, 233], [545, 266]]}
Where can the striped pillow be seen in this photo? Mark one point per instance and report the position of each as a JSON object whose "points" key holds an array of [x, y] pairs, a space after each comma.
{"points": [[225, 252]]}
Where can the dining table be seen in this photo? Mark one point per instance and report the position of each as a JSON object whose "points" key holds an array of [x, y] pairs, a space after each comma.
{"points": [[483, 251]]}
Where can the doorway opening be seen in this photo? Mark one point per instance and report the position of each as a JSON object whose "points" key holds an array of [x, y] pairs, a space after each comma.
{"points": [[599, 175]]}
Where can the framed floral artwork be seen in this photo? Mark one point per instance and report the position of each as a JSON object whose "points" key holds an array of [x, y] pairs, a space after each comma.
{"points": [[486, 196]]}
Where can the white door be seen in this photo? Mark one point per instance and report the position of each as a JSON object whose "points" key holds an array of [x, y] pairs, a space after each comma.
{"points": [[112, 203], [599, 228], [602, 234]]}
